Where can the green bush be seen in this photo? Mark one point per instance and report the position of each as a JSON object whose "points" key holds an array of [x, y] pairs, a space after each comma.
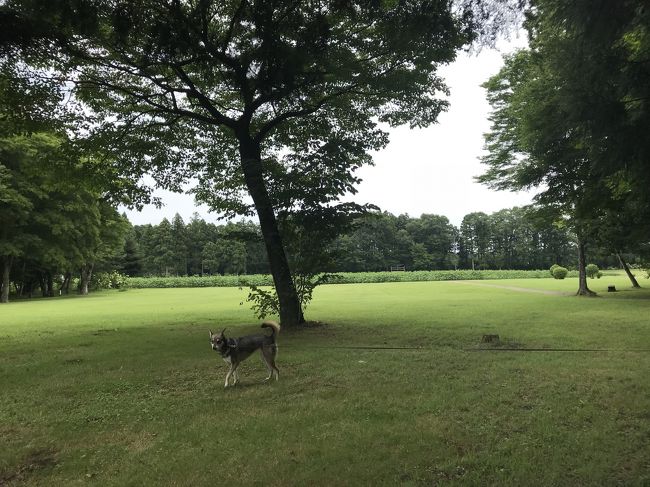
{"points": [[340, 278], [553, 267], [108, 280], [593, 271], [197, 281], [266, 302], [560, 272]]}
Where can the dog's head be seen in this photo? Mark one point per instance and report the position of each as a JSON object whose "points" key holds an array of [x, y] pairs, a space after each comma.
{"points": [[218, 342]]}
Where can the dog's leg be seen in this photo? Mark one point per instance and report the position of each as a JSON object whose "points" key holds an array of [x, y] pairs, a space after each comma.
{"points": [[235, 375], [267, 363], [268, 354], [274, 353], [230, 372]]}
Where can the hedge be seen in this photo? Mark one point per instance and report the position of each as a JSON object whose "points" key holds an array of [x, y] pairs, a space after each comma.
{"points": [[339, 278]]}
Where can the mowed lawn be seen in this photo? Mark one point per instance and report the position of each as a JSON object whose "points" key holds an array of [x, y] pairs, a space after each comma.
{"points": [[121, 388]]}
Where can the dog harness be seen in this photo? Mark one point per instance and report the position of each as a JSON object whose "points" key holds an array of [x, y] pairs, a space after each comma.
{"points": [[231, 343]]}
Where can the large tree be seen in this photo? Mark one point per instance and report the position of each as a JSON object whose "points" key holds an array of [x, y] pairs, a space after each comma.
{"points": [[536, 141], [433, 238], [571, 116], [475, 232], [272, 104]]}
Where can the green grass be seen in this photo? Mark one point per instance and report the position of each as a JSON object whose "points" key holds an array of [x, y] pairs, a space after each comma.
{"points": [[121, 388]]}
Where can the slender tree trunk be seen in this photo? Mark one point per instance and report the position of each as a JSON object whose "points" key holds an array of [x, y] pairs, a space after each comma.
{"points": [[22, 280], [65, 287], [42, 284], [85, 277], [50, 284], [4, 286], [583, 289], [624, 265], [290, 310], [30, 288]]}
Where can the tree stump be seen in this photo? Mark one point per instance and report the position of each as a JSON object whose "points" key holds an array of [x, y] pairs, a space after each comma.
{"points": [[490, 339]]}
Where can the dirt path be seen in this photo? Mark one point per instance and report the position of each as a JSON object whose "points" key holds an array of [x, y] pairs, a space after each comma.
{"points": [[514, 288]]}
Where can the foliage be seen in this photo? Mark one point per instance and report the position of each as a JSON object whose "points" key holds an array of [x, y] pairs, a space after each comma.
{"points": [[53, 221], [560, 272], [265, 301], [552, 269], [272, 106], [458, 275], [108, 280], [259, 280], [198, 281], [548, 132], [512, 238], [593, 271]]}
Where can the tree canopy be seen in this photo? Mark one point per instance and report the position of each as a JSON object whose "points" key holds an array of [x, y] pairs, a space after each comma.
{"points": [[272, 104], [570, 114]]}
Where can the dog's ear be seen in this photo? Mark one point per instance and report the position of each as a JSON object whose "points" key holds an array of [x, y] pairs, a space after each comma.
{"points": [[222, 332], [210, 333]]}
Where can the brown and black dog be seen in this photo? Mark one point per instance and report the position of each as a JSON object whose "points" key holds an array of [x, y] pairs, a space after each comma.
{"points": [[235, 350]]}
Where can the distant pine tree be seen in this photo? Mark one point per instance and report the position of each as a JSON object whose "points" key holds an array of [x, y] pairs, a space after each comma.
{"points": [[132, 257]]}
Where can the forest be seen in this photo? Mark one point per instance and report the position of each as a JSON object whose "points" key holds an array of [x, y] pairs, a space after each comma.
{"points": [[379, 241]]}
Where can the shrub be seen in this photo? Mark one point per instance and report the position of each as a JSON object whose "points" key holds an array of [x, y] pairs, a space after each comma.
{"points": [[553, 267], [593, 271], [560, 272], [108, 280], [197, 281], [259, 280], [265, 302]]}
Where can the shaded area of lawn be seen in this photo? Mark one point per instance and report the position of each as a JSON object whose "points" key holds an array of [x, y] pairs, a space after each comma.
{"points": [[122, 389]]}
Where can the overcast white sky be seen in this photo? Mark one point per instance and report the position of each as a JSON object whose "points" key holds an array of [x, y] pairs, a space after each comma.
{"points": [[421, 171]]}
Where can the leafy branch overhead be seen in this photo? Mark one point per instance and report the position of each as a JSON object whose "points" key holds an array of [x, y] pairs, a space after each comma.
{"points": [[160, 71]]}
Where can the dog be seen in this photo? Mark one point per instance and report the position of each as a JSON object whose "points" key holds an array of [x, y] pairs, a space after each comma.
{"points": [[235, 350]]}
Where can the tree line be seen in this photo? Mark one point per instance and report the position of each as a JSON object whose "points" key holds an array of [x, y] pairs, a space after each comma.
{"points": [[62, 232], [56, 223], [379, 241]]}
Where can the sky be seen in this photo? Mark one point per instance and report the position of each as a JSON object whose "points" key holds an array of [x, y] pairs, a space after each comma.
{"points": [[427, 170]]}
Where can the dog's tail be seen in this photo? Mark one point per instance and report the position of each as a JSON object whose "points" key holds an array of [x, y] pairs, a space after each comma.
{"points": [[274, 326]]}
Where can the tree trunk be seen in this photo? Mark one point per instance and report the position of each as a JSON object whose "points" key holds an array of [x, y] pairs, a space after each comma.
{"points": [[50, 284], [22, 281], [583, 289], [66, 282], [85, 277], [290, 310], [42, 284], [4, 286], [27, 288], [624, 265]]}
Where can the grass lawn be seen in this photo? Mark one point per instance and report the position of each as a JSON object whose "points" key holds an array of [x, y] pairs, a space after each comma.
{"points": [[121, 388]]}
